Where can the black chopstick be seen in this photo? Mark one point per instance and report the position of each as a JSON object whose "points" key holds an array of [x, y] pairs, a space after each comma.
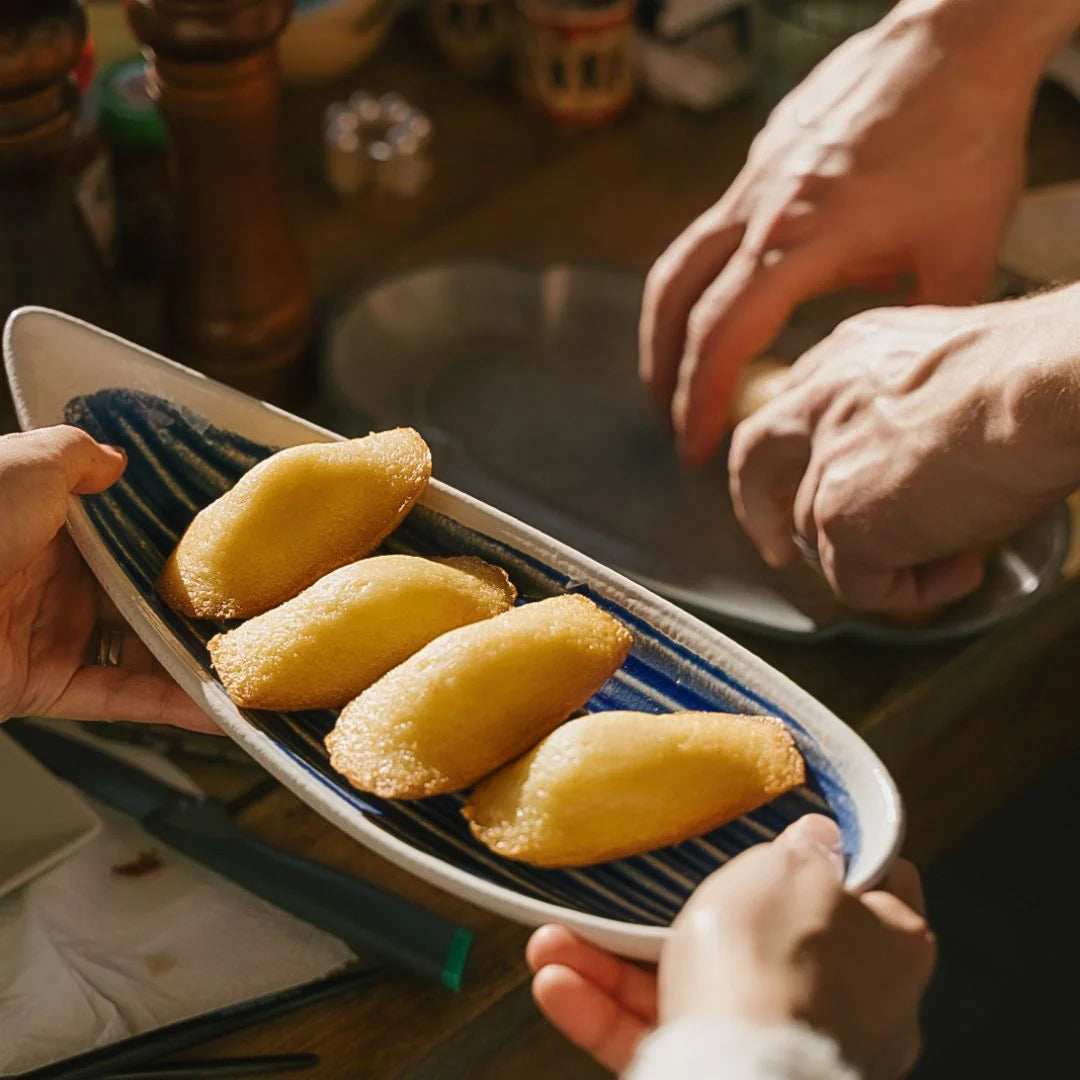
{"points": [[130, 1055], [208, 1068]]}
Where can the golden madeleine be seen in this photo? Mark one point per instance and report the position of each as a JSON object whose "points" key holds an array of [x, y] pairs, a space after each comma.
{"points": [[323, 647], [759, 382], [293, 518], [614, 784], [476, 697]]}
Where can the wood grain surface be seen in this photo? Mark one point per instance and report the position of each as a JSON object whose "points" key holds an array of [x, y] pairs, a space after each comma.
{"points": [[964, 726]]}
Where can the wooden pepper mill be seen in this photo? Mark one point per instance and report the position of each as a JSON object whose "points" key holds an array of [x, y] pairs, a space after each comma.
{"points": [[48, 254], [237, 300]]}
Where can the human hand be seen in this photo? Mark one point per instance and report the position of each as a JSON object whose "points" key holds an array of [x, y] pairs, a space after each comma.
{"points": [[600, 1002], [50, 605], [900, 156], [770, 938], [909, 439], [773, 938]]}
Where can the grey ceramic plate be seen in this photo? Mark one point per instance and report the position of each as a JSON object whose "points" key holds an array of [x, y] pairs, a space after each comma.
{"points": [[524, 382]]}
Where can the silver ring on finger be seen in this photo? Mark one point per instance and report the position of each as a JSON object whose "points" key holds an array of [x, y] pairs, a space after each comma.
{"points": [[110, 645], [808, 551]]}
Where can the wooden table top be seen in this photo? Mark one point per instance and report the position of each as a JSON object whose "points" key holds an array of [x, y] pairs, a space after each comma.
{"points": [[964, 727], [507, 184]]}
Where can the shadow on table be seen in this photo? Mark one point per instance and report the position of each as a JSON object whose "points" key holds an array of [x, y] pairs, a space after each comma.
{"points": [[1004, 908]]}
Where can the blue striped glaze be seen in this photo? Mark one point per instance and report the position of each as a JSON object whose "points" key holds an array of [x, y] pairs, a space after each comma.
{"points": [[178, 462]]}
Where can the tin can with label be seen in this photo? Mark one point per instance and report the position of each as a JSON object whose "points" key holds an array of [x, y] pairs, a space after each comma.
{"points": [[575, 60]]}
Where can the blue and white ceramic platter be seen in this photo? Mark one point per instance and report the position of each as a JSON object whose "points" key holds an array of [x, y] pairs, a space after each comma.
{"points": [[188, 439]]}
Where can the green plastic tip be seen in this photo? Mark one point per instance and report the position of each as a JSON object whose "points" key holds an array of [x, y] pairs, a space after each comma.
{"points": [[456, 958]]}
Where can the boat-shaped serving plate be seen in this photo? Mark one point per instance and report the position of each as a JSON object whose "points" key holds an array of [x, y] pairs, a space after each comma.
{"points": [[188, 439]]}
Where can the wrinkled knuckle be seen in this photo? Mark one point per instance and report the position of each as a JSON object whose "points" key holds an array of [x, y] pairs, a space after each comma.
{"points": [[75, 434], [837, 536], [764, 252], [659, 277], [749, 440], [849, 327], [68, 437], [811, 187], [761, 148], [831, 511], [857, 326], [847, 403], [753, 250], [792, 225], [701, 322], [744, 441]]}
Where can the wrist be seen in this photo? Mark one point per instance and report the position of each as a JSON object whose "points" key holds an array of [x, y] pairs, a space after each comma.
{"points": [[704, 1047], [1047, 395], [998, 37]]}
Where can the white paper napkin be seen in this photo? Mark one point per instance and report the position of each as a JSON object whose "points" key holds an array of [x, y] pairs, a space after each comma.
{"points": [[90, 955]]}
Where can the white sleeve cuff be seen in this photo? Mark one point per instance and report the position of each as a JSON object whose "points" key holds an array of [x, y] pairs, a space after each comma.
{"points": [[700, 1048]]}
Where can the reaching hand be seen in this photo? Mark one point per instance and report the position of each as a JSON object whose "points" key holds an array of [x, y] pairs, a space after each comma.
{"points": [[50, 606], [770, 938], [911, 438], [900, 156]]}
